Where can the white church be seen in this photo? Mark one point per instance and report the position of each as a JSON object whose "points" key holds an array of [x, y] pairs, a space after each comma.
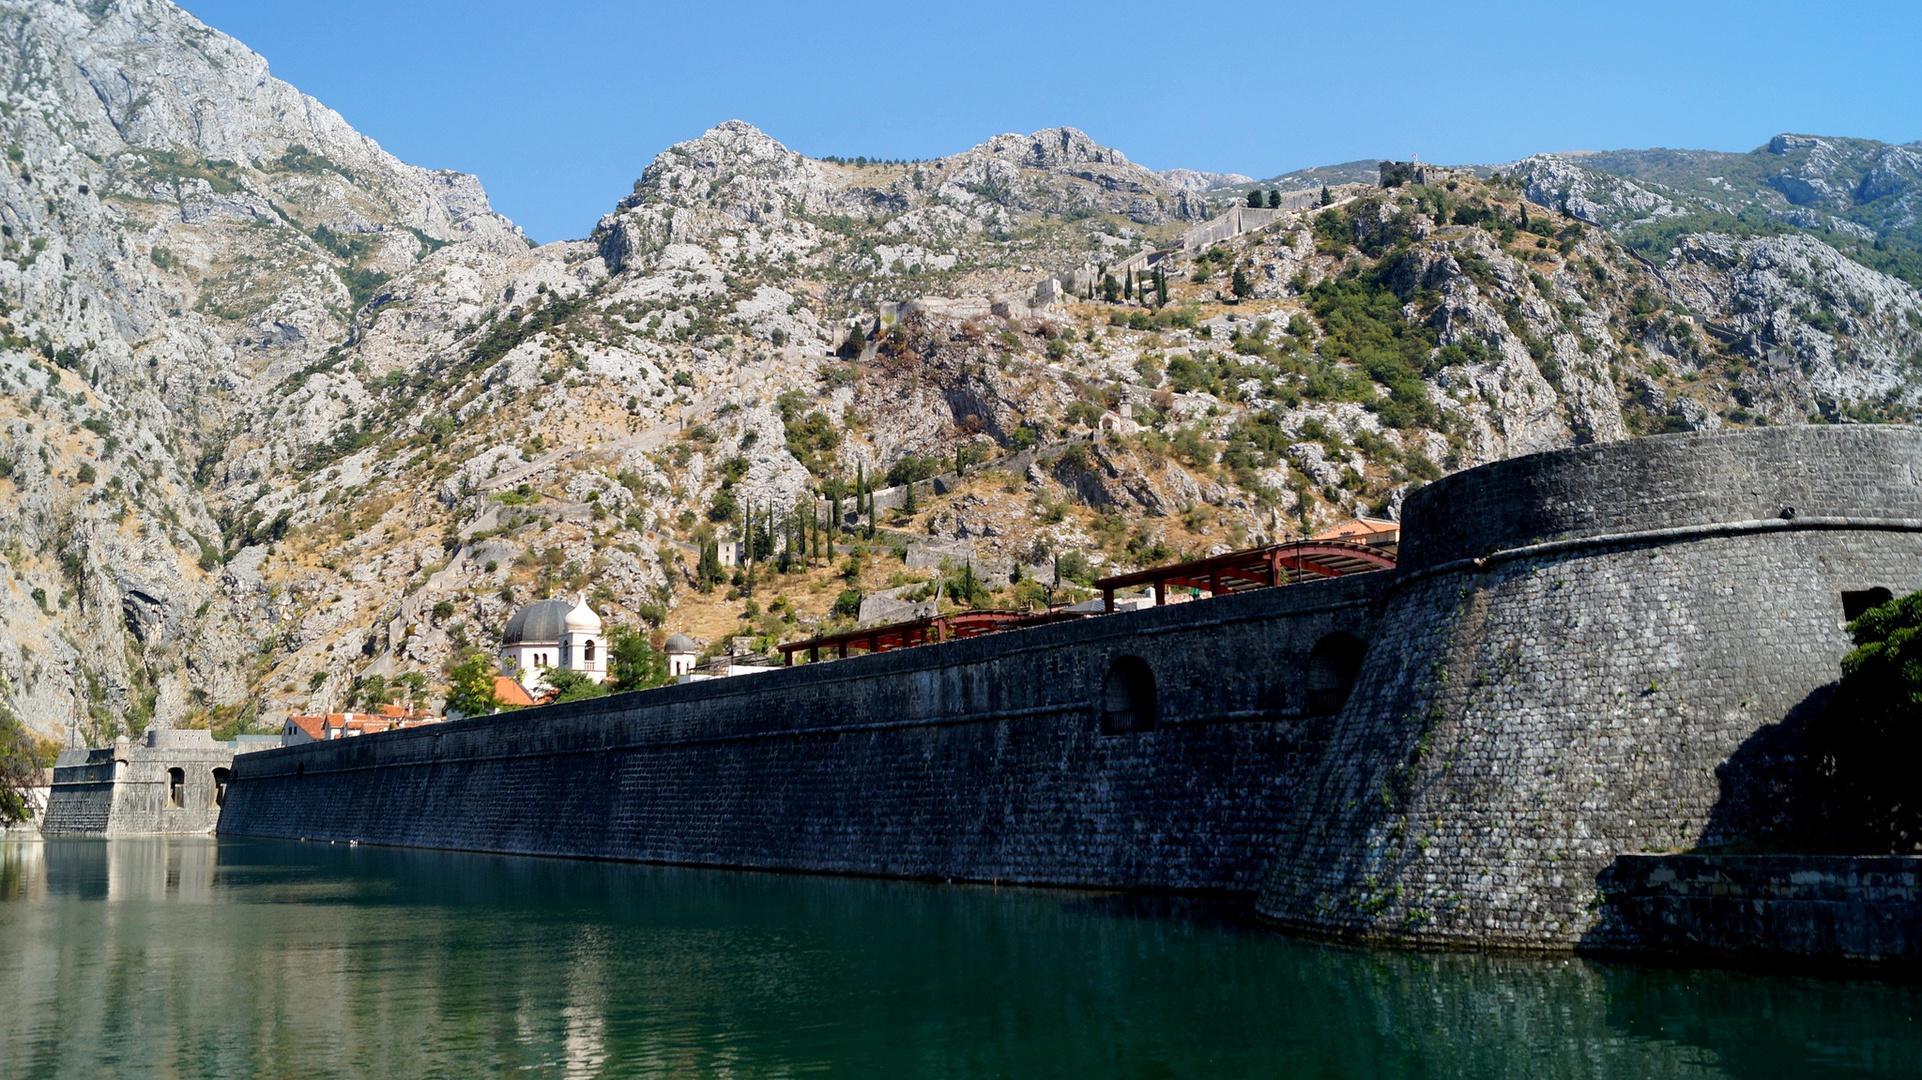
{"points": [[553, 634]]}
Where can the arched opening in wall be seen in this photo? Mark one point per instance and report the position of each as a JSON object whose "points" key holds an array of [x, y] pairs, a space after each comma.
{"points": [[220, 787], [1332, 667], [1128, 696], [176, 787], [587, 652], [1856, 603]]}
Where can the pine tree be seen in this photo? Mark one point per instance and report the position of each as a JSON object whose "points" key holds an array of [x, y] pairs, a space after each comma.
{"points": [[1242, 286], [708, 570], [1326, 199], [1254, 198], [1274, 200], [747, 536]]}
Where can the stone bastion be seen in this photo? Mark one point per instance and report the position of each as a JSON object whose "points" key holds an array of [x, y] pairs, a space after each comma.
{"points": [[1587, 654], [1584, 655]]}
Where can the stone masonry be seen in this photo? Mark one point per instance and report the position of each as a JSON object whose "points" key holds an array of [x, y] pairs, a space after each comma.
{"points": [[168, 782], [990, 759], [1585, 654], [1590, 653]]}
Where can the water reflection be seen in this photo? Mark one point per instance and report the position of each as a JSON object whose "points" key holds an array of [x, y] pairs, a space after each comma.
{"points": [[195, 958]]}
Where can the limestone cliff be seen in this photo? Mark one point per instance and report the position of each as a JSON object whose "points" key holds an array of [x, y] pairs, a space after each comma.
{"points": [[282, 413]]}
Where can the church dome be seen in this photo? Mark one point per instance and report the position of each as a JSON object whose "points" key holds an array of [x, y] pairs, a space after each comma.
{"points": [[680, 644], [539, 623], [582, 620]]}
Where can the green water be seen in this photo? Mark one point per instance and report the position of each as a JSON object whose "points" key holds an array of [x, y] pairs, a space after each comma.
{"points": [[159, 958]]}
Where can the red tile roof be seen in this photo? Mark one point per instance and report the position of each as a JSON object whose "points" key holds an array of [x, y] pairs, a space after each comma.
{"points": [[511, 692]]}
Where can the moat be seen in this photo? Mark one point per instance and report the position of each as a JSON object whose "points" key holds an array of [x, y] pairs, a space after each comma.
{"points": [[236, 958]]}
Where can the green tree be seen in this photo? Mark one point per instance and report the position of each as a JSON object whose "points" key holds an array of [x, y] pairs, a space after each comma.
{"points": [[857, 341], [1242, 286], [707, 571], [1326, 199], [1865, 744], [22, 756], [371, 692], [967, 589], [470, 686], [633, 664], [1255, 199], [571, 685], [1110, 288], [1274, 200]]}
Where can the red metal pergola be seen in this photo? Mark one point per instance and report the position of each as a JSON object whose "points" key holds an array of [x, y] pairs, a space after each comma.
{"points": [[1257, 568], [923, 631]]}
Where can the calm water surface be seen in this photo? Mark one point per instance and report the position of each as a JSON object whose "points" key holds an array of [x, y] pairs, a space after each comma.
{"points": [[171, 958]]}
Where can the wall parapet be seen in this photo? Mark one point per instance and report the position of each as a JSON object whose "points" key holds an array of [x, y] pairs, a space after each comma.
{"points": [[1713, 479]]}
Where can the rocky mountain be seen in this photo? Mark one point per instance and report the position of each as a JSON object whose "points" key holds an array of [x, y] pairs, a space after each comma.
{"points": [[289, 422], [1857, 195], [1190, 180], [180, 232]]}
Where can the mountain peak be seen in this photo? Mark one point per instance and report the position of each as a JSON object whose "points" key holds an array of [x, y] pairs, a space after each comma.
{"points": [[1052, 148]]}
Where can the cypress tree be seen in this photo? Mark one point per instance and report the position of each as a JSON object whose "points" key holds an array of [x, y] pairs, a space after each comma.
{"points": [[1274, 199], [1326, 199]]}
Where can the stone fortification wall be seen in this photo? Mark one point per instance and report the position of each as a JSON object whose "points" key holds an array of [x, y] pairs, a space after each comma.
{"points": [[1589, 653], [167, 782], [1007, 757], [1836, 909]]}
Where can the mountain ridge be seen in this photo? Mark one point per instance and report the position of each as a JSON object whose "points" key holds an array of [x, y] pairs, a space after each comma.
{"points": [[285, 421]]}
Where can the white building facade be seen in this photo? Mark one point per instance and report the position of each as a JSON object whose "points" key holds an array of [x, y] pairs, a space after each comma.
{"points": [[553, 634]]}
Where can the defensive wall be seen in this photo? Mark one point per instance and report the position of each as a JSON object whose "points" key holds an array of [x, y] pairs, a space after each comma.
{"points": [[1584, 655], [1590, 653], [166, 782], [1159, 749]]}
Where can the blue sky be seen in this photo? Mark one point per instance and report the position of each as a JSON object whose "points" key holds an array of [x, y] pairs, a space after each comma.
{"points": [[559, 104]]}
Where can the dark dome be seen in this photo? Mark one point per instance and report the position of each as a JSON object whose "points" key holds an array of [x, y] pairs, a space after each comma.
{"points": [[539, 623], [680, 643]]}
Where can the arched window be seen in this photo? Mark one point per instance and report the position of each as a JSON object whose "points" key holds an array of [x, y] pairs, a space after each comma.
{"points": [[1332, 668], [587, 652], [1128, 696], [176, 787], [220, 786]]}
